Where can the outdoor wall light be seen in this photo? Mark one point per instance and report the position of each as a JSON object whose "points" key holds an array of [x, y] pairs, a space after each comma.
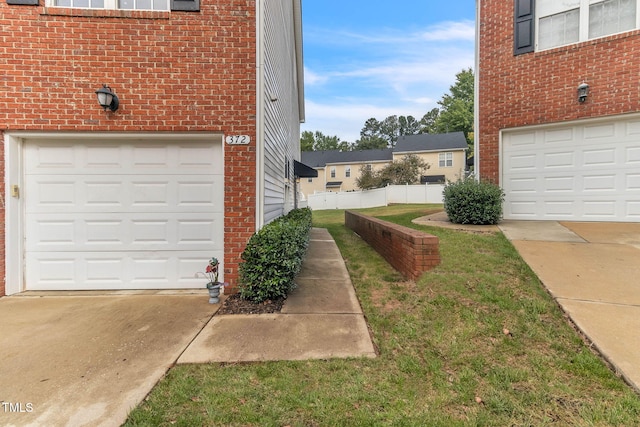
{"points": [[107, 99], [583, 91]]}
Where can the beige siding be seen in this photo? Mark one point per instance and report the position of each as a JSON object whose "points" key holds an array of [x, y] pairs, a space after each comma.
{"points": [[313, 185], [451, 173], [318, 184]]}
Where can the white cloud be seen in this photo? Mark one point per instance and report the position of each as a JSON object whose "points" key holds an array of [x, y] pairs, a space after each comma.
{"points": [[448, 31], [311, 78]]}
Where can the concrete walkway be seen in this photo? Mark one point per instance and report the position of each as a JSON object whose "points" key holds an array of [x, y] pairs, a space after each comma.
{"points": [[320, 319], [88, 358], [593, 270]]}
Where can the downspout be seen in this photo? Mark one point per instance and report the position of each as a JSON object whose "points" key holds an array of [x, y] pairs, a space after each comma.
{"points": [[476, 98], [259, 114]]}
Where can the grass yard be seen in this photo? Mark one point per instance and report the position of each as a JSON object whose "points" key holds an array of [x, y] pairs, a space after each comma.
{"points": [[475, 342]]}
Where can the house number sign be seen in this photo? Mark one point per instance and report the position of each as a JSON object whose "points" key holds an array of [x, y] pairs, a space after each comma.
{"points": [[237, 139]]}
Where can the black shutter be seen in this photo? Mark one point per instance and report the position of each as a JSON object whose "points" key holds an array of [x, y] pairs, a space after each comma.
{"points": [[523, 26], [186, 5], [24, 2]]}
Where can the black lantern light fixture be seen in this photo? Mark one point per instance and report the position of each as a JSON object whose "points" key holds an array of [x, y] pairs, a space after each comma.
{"points": [[583, 92], [107, 99]]}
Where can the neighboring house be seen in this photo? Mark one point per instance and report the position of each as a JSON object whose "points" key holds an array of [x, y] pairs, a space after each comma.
{"points": [[338, 170], [445, 153], [200, 153], [558, 107]]}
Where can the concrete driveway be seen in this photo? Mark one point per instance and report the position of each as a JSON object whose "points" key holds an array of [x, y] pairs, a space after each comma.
{"points": [[593, 271], [74, 359]]}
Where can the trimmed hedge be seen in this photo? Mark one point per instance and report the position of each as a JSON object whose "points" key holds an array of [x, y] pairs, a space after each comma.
{"points": [[273, 257], [468, 201]]}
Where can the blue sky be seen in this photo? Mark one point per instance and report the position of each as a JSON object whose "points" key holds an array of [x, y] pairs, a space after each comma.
{"points": [[375, 59]]}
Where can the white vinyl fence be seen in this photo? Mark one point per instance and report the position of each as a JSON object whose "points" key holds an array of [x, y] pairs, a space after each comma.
{"points": [[431, 193]]}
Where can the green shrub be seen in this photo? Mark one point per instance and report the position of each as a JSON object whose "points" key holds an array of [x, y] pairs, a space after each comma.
{"points": [[468, 201], [273, 257]]}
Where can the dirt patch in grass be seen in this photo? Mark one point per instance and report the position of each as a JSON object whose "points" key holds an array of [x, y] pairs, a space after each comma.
{"points": [[381, 299], [234, 304]]}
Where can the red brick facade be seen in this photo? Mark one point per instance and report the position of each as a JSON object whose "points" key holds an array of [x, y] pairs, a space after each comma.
{"points": [[172, 71], [541, 87], [409, 251]]}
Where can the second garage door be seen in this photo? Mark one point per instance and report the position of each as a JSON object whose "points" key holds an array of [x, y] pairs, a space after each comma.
{"points": [[577, 172], [121, 214]]}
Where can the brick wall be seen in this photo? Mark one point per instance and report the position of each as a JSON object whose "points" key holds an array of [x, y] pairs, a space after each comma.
{"points": [[172, 71], [541, 87], [409, 251]]}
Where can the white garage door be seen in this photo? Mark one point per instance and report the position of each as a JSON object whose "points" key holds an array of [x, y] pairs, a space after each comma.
{"points": [[578, 172], [121, 214]]}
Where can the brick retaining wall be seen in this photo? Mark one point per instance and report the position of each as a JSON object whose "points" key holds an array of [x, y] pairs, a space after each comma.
{"points": [[409, 251]]}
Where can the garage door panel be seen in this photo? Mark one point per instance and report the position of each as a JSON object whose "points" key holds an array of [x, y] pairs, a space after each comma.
{"points": [[105, 157], [599, 209], [599, 183], [561, 209], [588, 172], [130, 193], [558, 136], [557, 184], [632, 209], [632, 181], [97, 232], [121, 214], [133, 270], [601, 133], [559, 159], [632, 155], [632, 127], [599, 157]]}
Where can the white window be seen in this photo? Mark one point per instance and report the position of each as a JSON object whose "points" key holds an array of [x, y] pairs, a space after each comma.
{"points": [[114, 4], [445, 160], [347, 171], [333, 171], [570, 21]]}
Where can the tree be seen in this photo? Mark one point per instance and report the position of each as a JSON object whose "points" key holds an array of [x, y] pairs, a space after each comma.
{"points": [[366, 179], [385, 133], [428, 121], [409, 125], [306, 141], [456, 108], [370, 136], [310, 141], [390, 130], [408, 170]]}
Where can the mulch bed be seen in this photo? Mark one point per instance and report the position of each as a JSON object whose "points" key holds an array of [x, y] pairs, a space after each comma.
{"points": [[233, 304]]}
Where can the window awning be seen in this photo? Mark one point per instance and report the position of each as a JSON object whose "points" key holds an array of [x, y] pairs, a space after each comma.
{"points": [[432, 179], [334, 184], [303, 171]]}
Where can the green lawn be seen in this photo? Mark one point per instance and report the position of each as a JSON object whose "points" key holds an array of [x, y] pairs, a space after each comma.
{"points": [[476, 341]]}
